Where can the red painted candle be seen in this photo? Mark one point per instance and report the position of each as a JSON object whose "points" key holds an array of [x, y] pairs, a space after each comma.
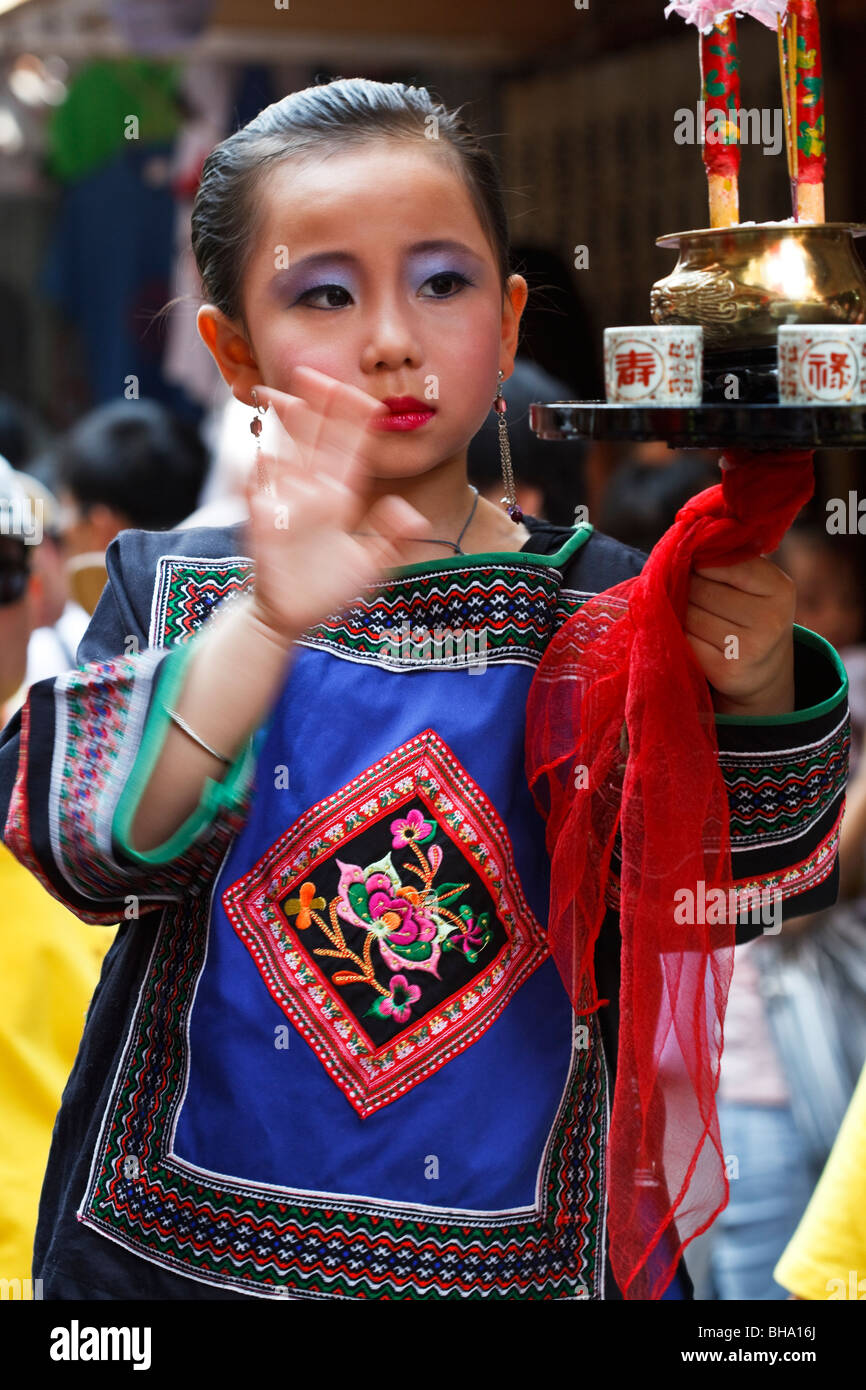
{"points": [[720, 92], [809, 116]]}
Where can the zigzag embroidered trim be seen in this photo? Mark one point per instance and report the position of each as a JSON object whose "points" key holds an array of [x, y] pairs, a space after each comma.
{"points": [[18, 836], [187, 590], [777, 795], [503, 612]]}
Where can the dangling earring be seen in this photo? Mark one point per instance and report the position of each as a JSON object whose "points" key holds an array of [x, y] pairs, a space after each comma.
{"points": [[255, 430], [509, 499]]}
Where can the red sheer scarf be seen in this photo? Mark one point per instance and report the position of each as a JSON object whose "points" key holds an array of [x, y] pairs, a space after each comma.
{"points": [[621, 738]]}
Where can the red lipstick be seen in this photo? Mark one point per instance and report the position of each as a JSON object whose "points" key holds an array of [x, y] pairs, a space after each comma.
{"points": [[407, 413]]}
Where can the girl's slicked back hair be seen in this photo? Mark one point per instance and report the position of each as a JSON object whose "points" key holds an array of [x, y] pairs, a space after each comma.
{"points": [[316, 122]]}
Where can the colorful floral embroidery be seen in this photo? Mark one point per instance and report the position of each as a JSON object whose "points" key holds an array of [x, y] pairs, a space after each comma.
{"points": [[411, 927], [390, 963], [792, 882]]}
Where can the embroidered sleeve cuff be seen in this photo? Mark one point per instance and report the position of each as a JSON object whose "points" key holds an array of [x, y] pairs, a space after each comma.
{"points": [[220, 799], [820, 684], [786, 777]]}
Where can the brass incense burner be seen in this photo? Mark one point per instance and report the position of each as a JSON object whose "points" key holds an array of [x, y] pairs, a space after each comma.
{"points": [[740, 283]]}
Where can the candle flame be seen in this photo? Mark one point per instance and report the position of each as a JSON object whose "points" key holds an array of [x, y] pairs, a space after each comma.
{"points": [[785, 270]]}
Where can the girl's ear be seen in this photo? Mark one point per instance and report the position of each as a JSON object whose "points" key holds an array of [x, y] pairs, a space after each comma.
{"points": [[230, 350], [513, 304]]}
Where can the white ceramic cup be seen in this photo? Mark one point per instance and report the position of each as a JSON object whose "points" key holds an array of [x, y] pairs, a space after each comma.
{"points": [[654, 365], [822, 364]]}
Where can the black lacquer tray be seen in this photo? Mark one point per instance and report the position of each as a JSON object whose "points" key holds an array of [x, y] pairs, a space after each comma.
{"points": [[751, 425]]}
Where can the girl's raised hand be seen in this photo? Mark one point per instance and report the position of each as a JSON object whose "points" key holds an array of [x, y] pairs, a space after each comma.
{"points": [[307, 562]]}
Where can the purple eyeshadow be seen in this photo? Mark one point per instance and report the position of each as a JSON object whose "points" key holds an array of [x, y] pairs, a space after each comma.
{"points": [[291, 284], [426, 264], [288, 285]]}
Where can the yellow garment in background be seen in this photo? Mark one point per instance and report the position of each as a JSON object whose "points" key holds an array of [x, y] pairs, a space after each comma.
{"points": [[826, 1256], [49, 966]]}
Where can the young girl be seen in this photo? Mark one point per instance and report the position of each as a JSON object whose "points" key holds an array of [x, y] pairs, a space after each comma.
{"points": [[330, 1055]]}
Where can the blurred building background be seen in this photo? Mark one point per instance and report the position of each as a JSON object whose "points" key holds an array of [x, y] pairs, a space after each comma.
{"points": [[579, 105]]}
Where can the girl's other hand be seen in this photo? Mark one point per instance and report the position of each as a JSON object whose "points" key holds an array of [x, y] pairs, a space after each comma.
{"points": [[740, 624], [306, 561]]}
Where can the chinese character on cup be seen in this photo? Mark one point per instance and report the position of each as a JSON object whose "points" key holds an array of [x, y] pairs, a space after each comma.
{"points": [[822, 364], [654, 365]]}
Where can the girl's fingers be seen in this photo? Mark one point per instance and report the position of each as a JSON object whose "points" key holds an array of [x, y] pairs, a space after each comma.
{"points": [[758, 576], [336, 399], [710, 629], [719, 599], [331, 399], [326, 500], [706, 653], [325, 401], [380, 553], [329, 432], [301, 500], [301, 427], [294, 472]]}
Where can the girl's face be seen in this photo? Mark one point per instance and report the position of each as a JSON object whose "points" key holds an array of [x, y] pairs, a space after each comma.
{"points": [[373, 267]]}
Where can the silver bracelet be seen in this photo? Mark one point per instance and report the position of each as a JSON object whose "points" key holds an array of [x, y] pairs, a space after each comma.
{"points": [[173, 714]]}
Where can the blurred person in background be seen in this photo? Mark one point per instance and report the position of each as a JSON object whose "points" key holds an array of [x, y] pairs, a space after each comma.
{"points": [[557, 332], [126, 464], [58, 620], [49, 959], [640, 498], [829, 572], [130, 463], [22, 434], [17, 590], [795, 1033]]}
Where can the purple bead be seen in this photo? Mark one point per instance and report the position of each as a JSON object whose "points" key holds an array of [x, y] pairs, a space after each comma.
{"points": [[515, 513], [499, 405], [256, 426]]}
